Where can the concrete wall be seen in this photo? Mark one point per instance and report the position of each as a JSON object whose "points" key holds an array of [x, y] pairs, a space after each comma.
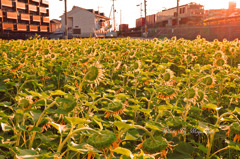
{"points": [[229, 32]]}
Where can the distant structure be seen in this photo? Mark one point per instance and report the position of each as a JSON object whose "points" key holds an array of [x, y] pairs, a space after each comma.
{"points": [[123, 27], [188, 13], [86, 23], [24, 18], [223, 16], [217, 13], [55, 25]]}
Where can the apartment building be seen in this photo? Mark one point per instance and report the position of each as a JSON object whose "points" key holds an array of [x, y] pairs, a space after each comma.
{"points": [[24, 17]]}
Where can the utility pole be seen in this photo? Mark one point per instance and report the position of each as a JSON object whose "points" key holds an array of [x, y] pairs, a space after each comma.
{"points": [[120, 16], [114, 21], [140, 5], [177, 12], [145, 10], [66, 20]]}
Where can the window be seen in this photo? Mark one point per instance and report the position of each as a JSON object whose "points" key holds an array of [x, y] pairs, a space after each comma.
{"points": [[76, 31]]}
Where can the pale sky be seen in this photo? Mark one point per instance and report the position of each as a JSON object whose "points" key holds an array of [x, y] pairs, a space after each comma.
{"points": [[130, 12]]}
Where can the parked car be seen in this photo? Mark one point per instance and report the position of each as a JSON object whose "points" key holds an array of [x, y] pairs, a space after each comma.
{"points": [[57, 35], [111, 35]]}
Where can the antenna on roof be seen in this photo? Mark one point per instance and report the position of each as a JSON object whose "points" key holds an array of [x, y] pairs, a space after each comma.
{"points": [[99, 8]]}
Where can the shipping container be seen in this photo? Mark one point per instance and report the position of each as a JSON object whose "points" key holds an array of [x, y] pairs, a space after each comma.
{"points": [[150, 19], [123, 27], [140, 22]]}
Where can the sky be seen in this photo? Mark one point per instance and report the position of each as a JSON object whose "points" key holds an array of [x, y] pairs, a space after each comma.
{"points": [[130, 12]]}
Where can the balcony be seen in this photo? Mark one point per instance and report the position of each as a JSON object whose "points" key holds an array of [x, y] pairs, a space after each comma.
{"points": [[20, 5], [36, 18], [32, 8], [35, 1], [7, 26], [25, 17], [43, 10], [45, 2], [33, 28], [11, 15], [7, 3], [44, 28], [21, 27], [45, 20]]}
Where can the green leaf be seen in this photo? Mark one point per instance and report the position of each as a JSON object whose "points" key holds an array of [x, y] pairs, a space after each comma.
{"points": [[76, 120], [94, 96], [57, 92], [146, 111], [237, 109], [82, 148], [117, 117], [210, 106], [200, 146], [6, 127], [233, 145], [99, 123], [151, 126], [35, 114], [120, 125], [130, 137], [110, 91], [123, 151], [25, 153], [184, 148], [60, 128], [35, 94], [36, 129]]}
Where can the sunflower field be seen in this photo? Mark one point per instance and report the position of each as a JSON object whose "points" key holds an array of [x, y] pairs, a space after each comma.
{"points": [[119, 98]]}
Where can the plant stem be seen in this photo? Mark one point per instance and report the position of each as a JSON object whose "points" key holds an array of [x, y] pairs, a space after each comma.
{"points": [[143, 128], [72, 133], [225, 148], [39, 120], [149, 102], [210, 145]]}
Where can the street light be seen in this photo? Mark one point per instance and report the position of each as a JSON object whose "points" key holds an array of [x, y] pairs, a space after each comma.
{"points": [[66, 20]]}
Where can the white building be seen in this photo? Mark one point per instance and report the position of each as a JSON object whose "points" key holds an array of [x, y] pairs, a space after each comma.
{"points": [[85, 23]]}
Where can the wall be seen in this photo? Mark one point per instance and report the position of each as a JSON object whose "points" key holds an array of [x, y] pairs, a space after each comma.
{"points": [[83, 20], [219, 32]]}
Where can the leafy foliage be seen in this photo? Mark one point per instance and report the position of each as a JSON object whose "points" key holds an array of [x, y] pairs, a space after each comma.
{"points": [[119, 98]]}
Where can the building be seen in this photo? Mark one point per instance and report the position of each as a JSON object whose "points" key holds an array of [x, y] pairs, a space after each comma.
{"points": [[85, 23], [188, 13], [55, 25], [24, 18], [223, 16], [222, 13]]}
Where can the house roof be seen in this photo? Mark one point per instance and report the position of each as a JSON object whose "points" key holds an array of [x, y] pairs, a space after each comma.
{"points": [[96, 13], [191, 3], [55, 21]]}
